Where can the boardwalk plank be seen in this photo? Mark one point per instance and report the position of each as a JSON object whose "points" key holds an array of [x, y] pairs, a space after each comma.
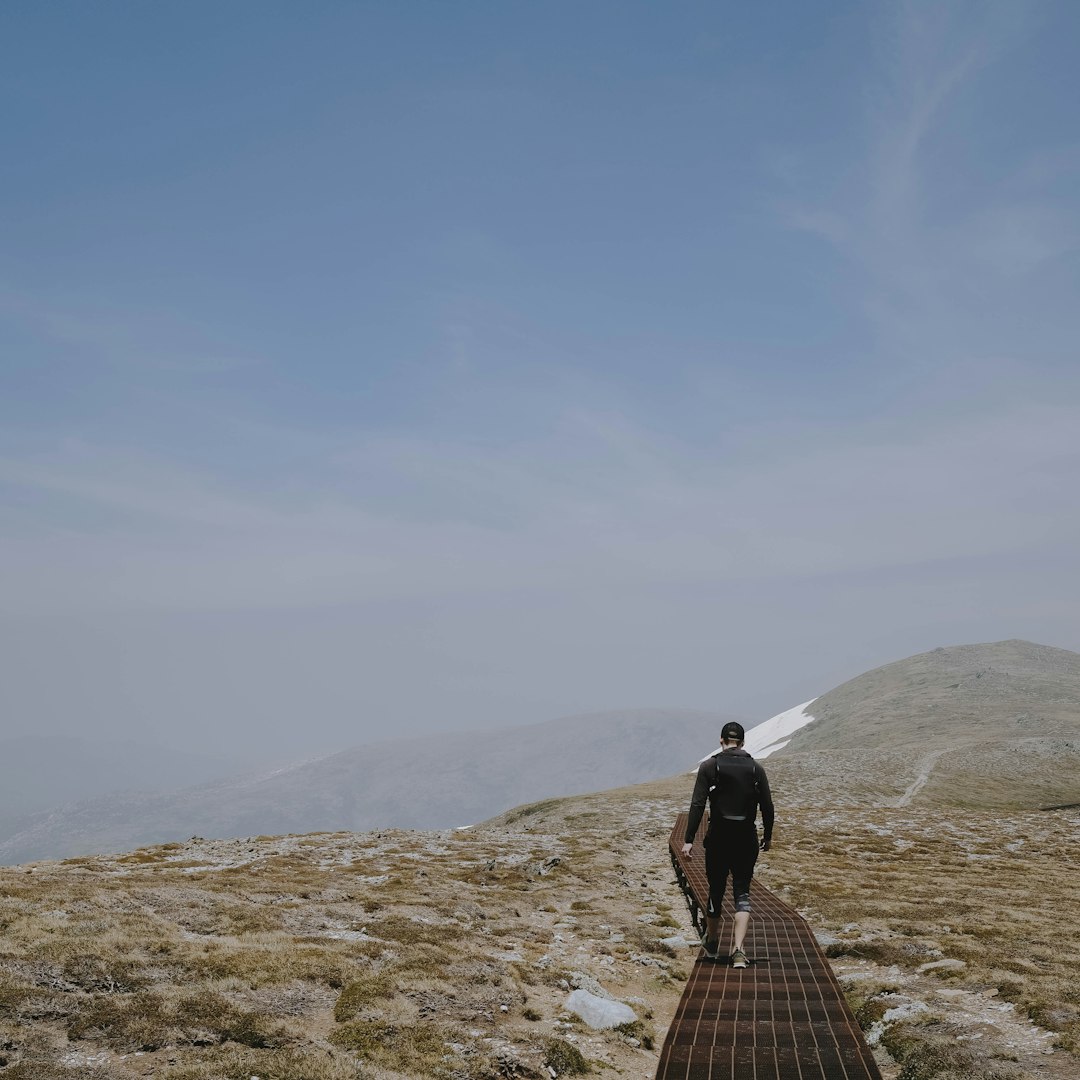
{"points": [[783, 1018]]}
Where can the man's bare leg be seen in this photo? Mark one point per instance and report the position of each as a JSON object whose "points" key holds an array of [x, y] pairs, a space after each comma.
{"points": [[742, 921]]}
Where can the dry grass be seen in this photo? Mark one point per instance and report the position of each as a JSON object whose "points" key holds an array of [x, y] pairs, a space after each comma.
{"points": [[998, 893], [972, 912], [409, 954], [323, 958], [974, 905], [232, 1063]]}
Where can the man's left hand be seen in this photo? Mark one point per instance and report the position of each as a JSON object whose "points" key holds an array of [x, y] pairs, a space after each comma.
{"points": [[688, 850]]}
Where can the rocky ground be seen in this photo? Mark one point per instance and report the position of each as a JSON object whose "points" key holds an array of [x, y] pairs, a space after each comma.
{"points": [[455, 954], [953, 933], [385, 954]]}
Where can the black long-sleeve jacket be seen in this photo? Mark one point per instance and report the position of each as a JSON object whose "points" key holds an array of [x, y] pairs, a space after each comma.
{"points": [[735, 785]]}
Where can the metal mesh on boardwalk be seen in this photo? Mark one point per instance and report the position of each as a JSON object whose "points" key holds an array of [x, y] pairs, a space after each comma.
{"points": [[782, 1018]]}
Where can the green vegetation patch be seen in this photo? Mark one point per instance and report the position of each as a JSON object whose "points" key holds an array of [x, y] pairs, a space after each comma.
{"points": [[34, 1069], [140, 857], [638, 1029], [565, 1058], [361, 994], [110, 973], [238, 1063], [278, 961], [410, 932], [147, 1022], [24, 1003], [414, 1049], [899, 951], [928, 1055], [531, 809], [871, 1011]]}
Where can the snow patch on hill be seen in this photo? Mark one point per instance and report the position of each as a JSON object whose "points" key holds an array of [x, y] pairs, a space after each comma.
{"points": [[775, 733]]}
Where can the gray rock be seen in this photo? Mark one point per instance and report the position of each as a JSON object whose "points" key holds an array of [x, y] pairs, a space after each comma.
{"points": [[581, 981], [599, 1012]]}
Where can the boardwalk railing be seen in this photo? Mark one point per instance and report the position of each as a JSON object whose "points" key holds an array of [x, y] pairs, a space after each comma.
{"points": [[782, 1018]]}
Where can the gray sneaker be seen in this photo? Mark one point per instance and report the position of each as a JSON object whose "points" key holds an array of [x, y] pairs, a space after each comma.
{"points": [[738, 959]]}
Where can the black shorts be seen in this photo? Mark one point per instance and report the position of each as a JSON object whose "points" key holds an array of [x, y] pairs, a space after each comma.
{"points": [[730, 847]]}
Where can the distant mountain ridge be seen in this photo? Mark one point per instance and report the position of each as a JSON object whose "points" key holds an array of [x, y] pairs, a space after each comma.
{"points": [[38, 772], [986, 725], [423, 783]]}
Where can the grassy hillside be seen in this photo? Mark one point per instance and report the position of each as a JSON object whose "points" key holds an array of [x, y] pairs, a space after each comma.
{"points": [[963, 921], [948, 696], [994, 725]]}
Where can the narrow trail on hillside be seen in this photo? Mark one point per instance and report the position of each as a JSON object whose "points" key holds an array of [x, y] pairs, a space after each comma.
{"points": [[926, 767]]}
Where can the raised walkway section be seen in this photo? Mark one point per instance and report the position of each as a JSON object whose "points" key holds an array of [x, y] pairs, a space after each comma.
{"points": [[782, 1018]]}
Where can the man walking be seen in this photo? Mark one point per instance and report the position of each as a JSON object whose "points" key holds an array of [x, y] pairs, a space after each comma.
{"points": [[734, 785]]}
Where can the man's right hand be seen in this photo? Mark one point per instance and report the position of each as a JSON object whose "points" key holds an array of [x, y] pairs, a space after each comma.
{"points": [[765, 844]]}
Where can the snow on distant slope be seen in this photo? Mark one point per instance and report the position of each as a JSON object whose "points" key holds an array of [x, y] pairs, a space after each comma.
{"points": [[775, 733]]}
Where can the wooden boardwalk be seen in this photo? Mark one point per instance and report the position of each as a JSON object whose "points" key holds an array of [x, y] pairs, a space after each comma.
{"points": [[782, 1018]]}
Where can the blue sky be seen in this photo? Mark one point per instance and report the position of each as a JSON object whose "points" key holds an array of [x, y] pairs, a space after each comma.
{"points": [[375, 367]]}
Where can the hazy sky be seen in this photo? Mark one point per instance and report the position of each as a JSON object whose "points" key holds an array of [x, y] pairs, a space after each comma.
{"points": [[374, 368]]}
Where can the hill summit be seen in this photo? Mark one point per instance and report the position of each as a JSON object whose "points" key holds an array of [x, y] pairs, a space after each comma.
{"points": [[1003, 689], [987, 725]]}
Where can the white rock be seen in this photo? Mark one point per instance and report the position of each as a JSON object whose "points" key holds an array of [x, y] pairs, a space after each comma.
{"points": [[942, 965], [908, 1010], [581, 981], [599, 1012]]}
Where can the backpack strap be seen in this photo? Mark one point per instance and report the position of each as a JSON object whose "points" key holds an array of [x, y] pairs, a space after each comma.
{"points": [[716, 773]]}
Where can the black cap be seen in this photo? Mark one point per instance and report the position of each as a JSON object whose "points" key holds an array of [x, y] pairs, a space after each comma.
{"points": [[732, 732]]}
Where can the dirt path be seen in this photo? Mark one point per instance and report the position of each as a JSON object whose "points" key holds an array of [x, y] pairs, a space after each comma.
{"points": [[926, 767]]}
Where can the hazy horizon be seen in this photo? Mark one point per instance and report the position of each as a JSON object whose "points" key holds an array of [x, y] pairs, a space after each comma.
{"points": [[379, 370]]}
